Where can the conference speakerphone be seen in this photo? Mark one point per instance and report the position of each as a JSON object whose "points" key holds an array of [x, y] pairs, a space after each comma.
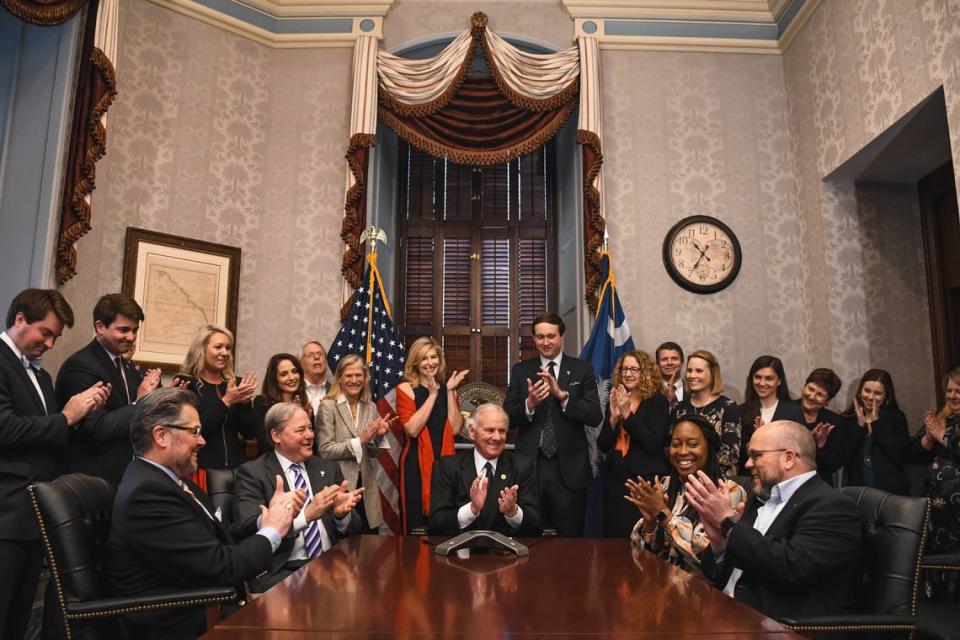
{"points": [[482, 540]]}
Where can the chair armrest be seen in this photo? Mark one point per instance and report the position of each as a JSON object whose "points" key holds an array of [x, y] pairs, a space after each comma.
{"points": [[941, 561], [853, 623], [105, 607]]}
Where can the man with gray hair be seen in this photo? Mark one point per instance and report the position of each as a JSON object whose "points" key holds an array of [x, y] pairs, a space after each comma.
{"points": [[795, 552], [485, 488], [328, 513], [165, 534], [313, 359]]}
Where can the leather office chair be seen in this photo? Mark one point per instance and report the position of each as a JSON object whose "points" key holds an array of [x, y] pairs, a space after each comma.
{"points": [[73, 513], [220, 489], [894, 531]]}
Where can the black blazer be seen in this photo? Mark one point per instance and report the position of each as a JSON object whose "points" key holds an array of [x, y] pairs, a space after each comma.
{"points": [[648, 429], [807, 564], [256, 482], [583, 409], [222, 426], [450, 490], [161, 540], [833, 455], [100, 443], [31, 442], [890, 443]]}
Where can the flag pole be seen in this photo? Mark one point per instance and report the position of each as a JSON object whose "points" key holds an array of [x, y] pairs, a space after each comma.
{"points": [[374, 235]]}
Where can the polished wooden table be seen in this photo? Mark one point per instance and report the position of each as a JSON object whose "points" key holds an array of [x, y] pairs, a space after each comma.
{"points": [[395, 587]]}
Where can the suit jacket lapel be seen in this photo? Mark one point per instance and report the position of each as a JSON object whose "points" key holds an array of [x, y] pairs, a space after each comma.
{"points": [[562, 372], [468, 472], [784, 517], [25, 378], [272, 465], [344, 409]]}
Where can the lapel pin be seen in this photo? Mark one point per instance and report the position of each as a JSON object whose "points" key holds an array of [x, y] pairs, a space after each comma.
{"points": [[503, 476], [322, 473]]}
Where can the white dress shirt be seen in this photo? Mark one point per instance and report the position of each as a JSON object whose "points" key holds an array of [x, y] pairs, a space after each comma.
{"points": [[299, 551], [315, 394], [124, 393], [544, 364], [26, 365], [465, 515]]}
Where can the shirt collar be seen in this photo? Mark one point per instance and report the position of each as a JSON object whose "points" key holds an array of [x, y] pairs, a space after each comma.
{"points": [[479, 461], [544, 362], [24, 360], [166, 470], [113, 356], [286, 463], [783, 491]]}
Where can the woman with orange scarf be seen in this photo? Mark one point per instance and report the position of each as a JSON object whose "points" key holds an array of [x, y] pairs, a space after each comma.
{"points": [[634, 437], [430, 419]]}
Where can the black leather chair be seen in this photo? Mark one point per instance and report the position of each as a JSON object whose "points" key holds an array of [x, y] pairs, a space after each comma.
{"points": [[73, 513], [894, 531], [220, 489]]}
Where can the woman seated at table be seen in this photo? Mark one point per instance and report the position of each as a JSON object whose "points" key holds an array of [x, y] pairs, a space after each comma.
{"points": [[938, 445], [705, 397], [226, 412], [766, 398], [429, 412], [351, 431], [668, 525], [826, 427], [877, 436], [633, 436], [283, 382]]}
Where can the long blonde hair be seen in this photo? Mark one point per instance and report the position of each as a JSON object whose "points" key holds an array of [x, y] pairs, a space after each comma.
{"points": [[418, 351], [954, 375], [348, 361], [195, 360]]}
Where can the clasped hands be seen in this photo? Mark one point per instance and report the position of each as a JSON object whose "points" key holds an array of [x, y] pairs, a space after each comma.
{"points": [[337, 496], [238, 393], [375, 429], [649, 498], [936, 430], [547, 385], [712, 502], [283, 508], [506, 501], [90, 399]]}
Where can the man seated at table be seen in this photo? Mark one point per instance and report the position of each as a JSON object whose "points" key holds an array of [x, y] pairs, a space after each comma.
{"points": [[485, 488], [164, 536], [328, 513], [795, 552]]}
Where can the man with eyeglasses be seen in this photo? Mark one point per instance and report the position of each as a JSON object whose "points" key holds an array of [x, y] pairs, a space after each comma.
{"points": [[166, 536], [795, 552], [313, 359]]}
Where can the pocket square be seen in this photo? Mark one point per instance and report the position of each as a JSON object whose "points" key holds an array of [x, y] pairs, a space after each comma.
{"points": [[574, 383]]}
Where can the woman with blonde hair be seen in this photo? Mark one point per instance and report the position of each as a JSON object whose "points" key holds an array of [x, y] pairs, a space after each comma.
{"points": [[634, 436], [705, 398], [430, 418], [226, 413], [351, 431]]}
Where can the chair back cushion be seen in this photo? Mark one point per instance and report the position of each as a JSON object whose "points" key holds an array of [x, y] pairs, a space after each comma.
{"points": [[220, 489], [894, 528], [73, 512]]}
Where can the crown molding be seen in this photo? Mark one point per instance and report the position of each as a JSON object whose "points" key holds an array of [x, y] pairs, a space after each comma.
{"points": [[321, 8], [704, 10]]}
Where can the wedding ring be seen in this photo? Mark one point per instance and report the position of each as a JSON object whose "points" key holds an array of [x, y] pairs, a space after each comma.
{"points": [[289, 506]]}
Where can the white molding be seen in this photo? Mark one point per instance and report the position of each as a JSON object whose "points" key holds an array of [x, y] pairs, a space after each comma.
{"points": [[764, 11], [708, 45], [321, 8], [799, 21]]}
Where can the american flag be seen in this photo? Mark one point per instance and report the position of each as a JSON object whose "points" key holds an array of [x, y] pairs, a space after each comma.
{"points": [[369, 332]]}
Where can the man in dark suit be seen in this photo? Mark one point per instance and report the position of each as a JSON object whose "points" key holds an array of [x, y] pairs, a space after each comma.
{"points": [[164, 533], [33, 433], [485, 488], [100, 445], [550, 400], [328, 513], [796, 550]]}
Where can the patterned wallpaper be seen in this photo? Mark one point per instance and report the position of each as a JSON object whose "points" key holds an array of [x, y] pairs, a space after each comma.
{"points": [[219, 138]]}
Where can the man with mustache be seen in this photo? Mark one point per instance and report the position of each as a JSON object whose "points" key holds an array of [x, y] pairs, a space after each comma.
{"points": [[795, 552]]}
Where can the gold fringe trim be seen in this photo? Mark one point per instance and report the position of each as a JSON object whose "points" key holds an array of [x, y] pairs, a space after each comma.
{"points": [[43, 14], [593, 222], [568, 93], [353, 219], [425, 109]]}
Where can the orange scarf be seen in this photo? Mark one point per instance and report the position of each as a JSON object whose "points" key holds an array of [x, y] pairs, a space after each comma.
{"points": [[406, 407], [623, 438]]}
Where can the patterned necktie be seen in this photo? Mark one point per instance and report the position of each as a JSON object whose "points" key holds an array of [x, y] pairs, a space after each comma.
{"points": [[548, 435], [312, 541], [187, 491], [123, 381]]}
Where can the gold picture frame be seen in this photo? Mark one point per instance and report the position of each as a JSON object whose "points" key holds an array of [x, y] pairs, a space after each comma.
{"points": [[182, 284]]}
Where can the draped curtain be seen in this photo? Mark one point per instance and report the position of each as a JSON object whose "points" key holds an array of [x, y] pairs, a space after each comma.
{"points": [[437, 106]]}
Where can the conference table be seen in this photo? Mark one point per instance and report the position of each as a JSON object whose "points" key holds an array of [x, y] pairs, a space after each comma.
{"points": [[396, 587]]}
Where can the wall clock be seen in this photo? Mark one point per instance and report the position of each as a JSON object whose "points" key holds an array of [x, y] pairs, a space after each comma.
{"points": [[701, 254]]}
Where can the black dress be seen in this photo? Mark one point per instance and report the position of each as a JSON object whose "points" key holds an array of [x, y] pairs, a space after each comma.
{"points": [[647, 428], [412, 479], [724, 414], [222, 426]]}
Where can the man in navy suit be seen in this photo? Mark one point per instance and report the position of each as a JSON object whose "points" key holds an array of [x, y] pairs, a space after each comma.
{"points": [[33, 433], [485, 487], [550, 400], [328, 514], [100, 446]]}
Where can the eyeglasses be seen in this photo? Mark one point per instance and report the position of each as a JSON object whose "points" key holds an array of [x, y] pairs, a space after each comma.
{"points": [[194, 431], [314, 356], [756, 454], [633, 370]]}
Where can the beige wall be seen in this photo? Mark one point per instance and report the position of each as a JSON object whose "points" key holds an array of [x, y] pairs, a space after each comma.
{"points": [[219, 138]]}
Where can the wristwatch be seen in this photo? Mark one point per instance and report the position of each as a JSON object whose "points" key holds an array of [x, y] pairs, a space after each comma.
{"points": [[661, 518], [727, 524]]}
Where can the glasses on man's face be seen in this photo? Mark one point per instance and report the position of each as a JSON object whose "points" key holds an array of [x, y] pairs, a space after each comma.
{"points": [[756, 454], [194, 431], [631, 370], [314, 356]]}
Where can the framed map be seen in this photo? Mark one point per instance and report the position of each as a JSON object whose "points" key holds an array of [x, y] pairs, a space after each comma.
{"points": [[182, 284]]}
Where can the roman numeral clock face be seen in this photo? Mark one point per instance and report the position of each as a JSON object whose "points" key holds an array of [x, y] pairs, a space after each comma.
{"points": [[701, 254]]}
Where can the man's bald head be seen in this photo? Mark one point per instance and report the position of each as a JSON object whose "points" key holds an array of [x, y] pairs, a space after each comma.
{"points": [[779, 451], [795, 436]]}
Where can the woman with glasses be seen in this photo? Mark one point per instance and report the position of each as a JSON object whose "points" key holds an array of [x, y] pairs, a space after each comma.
{"points": [[877, 436], [633, 436], [283, 382]]}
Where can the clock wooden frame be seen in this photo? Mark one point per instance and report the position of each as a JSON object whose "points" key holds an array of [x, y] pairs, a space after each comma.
{"points": [[675, 273]]}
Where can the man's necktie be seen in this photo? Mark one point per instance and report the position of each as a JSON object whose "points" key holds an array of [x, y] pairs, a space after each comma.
{"points": [[123, 381], [548, 435], [312, 541], [488, 471], [187, 491]]}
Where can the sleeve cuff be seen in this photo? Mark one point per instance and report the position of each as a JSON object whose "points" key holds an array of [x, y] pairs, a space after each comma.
{"points": [[299, 523], [343, 523], [465, 516], [516, 520], [272, 536]]}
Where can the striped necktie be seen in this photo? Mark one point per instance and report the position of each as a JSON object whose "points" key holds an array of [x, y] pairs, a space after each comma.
{"points": [[312, 541]]}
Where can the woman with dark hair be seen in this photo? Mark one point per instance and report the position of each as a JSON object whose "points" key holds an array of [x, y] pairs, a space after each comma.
{"points": [[668, 525], [826, 426], [938, 445], [633, 436], [705, 397], [877, 435], [283, 382], [766, 398]]}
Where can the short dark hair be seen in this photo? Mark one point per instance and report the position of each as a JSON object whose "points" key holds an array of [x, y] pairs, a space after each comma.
{"points": [[162, 406], [550, 318], [110, 306], [35, 304], [827, 379], [668, 346]]}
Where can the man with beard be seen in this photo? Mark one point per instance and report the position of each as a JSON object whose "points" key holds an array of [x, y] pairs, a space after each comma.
{"points": [[795, 552]]}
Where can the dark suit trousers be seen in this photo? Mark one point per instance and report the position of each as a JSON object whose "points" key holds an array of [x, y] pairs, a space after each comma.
{"points": [[21, 562], [561, 508]]}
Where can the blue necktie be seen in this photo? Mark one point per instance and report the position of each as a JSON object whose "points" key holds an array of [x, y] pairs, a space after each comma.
{"points": [[311, 537]]}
